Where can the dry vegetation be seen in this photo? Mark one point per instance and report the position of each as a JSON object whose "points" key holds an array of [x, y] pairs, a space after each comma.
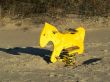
{"points": [[24, 8], [19, 12]]}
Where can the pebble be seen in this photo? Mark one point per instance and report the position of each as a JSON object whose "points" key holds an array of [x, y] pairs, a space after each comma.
{"points": [[52, 75], [105, 51]]}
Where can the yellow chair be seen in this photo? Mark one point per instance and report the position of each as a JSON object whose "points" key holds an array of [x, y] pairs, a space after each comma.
{"points": [[62, 40]]}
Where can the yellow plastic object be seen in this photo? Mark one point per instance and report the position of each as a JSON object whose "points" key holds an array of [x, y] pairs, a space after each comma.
{"points": [[62, 40]]}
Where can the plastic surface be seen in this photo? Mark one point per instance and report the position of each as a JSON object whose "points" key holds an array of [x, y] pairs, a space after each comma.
{"points": [[62, 40]]}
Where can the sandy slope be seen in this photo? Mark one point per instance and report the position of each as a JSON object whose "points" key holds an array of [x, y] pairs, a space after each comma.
{"points": [[21, 59]]}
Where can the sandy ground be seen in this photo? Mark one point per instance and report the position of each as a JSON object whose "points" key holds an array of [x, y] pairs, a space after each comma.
{"points": [[22, 60]]}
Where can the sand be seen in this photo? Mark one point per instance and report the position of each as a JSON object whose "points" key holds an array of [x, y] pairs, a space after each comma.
{"points": [[22, 60]]}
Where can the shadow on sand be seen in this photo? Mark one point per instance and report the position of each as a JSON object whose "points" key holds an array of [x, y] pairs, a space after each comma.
{"points": [[44, 53], [90, 61]]}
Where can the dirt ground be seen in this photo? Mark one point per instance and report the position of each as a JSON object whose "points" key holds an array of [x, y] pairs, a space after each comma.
{"points": [[22, 60]]}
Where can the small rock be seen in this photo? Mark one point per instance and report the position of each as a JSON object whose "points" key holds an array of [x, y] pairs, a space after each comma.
{"points": [[105, 51], [52, 74]]}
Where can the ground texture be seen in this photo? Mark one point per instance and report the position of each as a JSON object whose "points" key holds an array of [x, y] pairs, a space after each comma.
{"points": [[22, 60]]}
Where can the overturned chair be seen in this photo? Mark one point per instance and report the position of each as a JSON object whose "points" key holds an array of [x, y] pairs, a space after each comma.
{"points": [[71, 42]]}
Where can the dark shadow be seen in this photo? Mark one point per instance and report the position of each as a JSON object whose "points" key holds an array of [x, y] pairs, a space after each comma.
{"points": [[29, 50], [90, 61]]}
